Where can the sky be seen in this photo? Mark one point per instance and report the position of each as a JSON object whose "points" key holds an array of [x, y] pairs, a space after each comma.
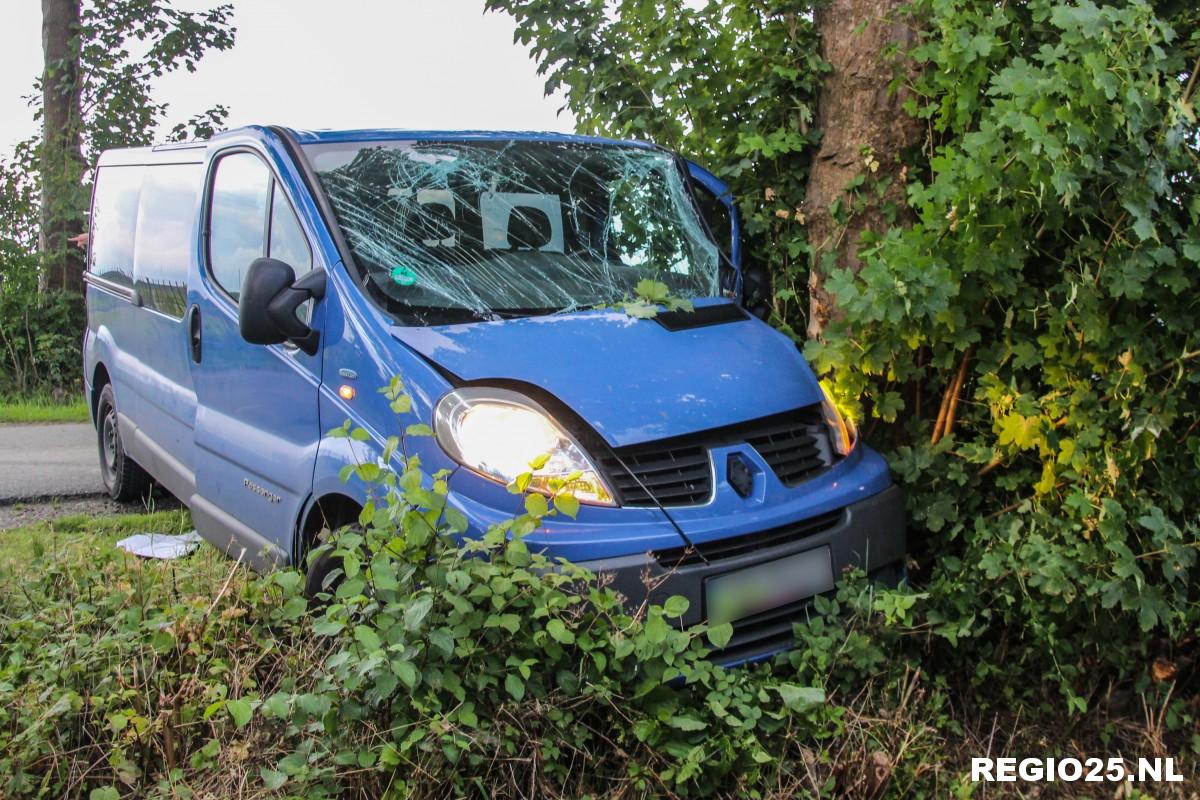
{"points": [[328, 64]]}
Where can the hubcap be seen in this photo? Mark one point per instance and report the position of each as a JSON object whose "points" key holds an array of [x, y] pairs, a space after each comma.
{"points": [[108, 440]]}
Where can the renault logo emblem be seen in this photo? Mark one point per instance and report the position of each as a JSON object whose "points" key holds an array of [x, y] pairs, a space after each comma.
{"points": [[739, 475]]}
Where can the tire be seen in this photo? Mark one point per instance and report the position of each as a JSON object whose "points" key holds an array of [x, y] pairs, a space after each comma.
{"points": [[124, 480], [315, 575], [318, 569]]}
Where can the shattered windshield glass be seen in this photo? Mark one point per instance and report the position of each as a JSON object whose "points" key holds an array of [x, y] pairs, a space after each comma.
{"points": [[452, 231]]}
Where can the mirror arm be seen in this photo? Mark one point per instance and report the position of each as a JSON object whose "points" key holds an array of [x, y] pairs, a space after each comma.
{"points": [[313, 282], [282, 310]]}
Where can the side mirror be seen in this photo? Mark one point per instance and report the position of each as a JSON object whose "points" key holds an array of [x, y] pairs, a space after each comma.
{"points": [[267, 306], [756, 291]]}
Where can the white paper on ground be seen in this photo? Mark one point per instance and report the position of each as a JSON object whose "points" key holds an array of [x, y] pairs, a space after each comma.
{"points": [[160, 545]]}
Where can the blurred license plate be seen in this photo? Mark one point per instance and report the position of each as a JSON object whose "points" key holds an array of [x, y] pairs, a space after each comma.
{"points": [[765, 586]]}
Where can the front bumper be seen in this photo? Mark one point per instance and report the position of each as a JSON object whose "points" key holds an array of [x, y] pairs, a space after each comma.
{"points": [[868, 535]]}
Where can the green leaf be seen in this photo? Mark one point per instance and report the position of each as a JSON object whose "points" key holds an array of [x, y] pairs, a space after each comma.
{"points": [[443, 640], [277, 705], [1024, 432], [539, 462], [558, 631], [368, 472], [676, 606], [720, 635], [328, 627], [272, 779], [241, 710], [656, 629], [641, 310], [368, 638], [406, 672], [801, 698], [567, 504], [687, 723], [652, 291], [456, 521], [104, 793], [416, 612], [515, 686], [536, 506]]}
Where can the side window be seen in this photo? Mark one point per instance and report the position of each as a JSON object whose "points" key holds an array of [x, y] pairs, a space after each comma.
{"points": [[287, 237], [716, 214], [237, 220], [287, 242], [166, 215], [114, 223]]}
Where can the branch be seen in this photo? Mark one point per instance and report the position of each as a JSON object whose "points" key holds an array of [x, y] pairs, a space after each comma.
{"points": [[946, 414]]}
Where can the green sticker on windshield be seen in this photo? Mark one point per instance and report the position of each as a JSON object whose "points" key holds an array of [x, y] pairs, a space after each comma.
{"points": [[403, 276]]}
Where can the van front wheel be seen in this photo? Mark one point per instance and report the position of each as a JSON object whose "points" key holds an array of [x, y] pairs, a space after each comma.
{"points": [[123, 478], [323, 574]]}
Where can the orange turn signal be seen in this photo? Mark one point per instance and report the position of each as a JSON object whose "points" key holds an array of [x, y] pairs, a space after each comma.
{"points": [[346, 392]]}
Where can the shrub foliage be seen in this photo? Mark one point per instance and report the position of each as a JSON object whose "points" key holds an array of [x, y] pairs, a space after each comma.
{"points": [[430, 667]]}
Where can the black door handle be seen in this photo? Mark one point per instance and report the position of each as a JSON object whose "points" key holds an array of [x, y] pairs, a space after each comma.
{"points": [[194, 332]]}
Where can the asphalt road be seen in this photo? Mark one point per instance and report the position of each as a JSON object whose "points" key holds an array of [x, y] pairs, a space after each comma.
{"points": [[48, 461]]}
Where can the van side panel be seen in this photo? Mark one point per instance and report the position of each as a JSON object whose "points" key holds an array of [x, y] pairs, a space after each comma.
{"points": [[112, 315], [142, 232], [257, 426], [166, 225]]}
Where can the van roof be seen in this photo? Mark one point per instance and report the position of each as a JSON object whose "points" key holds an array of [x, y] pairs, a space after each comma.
{"points": [[193, 152], [381, 134]]}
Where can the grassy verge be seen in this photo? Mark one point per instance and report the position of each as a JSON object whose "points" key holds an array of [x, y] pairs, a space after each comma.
{"points": [[78, 538], [122, 677], [40, 409]]}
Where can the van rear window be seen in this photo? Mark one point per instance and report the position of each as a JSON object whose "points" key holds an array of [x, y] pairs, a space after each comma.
{"points": [[165, 236], [114, 223]]}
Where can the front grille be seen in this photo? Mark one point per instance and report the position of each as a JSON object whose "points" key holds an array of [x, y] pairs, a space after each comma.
{"points": [[768, 632], [792, 446], [677, 476], [677, 472], [747, 543]]}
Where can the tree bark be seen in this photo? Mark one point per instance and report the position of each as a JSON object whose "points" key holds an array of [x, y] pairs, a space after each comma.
{"points": [[862, 124], [63, 206]]}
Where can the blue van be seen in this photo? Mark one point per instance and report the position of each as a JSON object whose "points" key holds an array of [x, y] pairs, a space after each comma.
{"points": [[248, 293]]}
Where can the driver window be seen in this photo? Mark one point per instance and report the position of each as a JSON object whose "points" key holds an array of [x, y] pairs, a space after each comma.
{"points": [[287, 242], [237, 220]]}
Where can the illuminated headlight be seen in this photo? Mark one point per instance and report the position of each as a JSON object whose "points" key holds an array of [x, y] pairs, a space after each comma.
{"points": [[842, 433], [497, 432]]}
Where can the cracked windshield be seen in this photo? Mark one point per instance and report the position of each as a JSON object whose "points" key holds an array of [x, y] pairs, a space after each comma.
{"points": [[448, 232]]}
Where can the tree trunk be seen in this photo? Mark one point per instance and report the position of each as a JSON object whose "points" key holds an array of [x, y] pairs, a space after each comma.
{"points": [[864, 129], [63, 207]]}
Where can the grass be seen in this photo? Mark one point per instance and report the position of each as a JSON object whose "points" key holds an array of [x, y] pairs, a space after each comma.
{"points": [[78, 537], [42, 409]]}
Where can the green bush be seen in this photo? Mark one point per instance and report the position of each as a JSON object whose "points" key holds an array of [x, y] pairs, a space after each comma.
{"points": [[1055, 266], [41, 333], [431, 668]]}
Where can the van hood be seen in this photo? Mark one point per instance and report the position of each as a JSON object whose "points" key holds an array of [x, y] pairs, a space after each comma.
{"points": [[633, 380]]}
